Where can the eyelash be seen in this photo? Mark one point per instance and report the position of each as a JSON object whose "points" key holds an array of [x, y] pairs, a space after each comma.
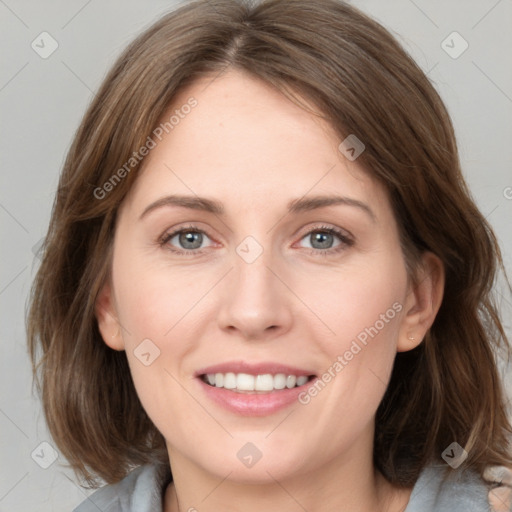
{"points": [[345, 240]]}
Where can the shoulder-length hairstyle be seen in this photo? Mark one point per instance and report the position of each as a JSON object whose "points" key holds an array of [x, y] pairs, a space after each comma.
{"points": [[362, 82]]}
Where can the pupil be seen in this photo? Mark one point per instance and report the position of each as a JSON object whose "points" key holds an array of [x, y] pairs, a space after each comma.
{"points": [[192, 238], [324, 239]]}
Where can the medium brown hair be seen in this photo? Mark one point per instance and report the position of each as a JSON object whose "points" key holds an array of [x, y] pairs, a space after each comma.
{"points": [[363, 83]]}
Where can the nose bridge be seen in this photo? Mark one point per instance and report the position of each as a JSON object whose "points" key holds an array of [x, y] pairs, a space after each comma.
{"points": [[253, 279], [255, 301]]}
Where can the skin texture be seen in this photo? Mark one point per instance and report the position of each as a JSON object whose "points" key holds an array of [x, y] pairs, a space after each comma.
{"points": [[253, 150]]}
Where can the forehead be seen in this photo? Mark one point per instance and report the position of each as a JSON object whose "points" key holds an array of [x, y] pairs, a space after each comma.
{"points": [[246, 144]]}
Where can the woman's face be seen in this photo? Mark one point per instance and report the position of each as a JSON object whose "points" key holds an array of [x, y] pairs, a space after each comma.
{"points": [[277, 283]]}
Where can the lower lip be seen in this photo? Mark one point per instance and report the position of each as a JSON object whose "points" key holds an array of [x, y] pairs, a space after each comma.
{"points": [[253, 404]]}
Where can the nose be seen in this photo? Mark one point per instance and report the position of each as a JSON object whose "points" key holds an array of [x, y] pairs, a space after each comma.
{"points": [[256, 303]]}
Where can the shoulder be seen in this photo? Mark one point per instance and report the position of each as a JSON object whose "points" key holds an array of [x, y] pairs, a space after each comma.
{"points": [[440, 490], [139, 491]]}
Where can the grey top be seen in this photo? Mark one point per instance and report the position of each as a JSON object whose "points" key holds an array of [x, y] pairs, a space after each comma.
{"points": [[143, 489]]}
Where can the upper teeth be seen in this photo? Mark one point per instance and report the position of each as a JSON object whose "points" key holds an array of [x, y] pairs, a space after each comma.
{"points": [[246, 382]]}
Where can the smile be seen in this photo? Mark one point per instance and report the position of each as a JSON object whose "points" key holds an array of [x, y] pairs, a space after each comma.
{"points": [[264, 383]]}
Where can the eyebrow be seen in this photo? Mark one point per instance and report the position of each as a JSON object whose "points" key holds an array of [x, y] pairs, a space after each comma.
{"points": [[294, 206]]}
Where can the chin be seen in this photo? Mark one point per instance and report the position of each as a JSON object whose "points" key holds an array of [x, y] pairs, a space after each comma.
{"points": [[249, 464]]}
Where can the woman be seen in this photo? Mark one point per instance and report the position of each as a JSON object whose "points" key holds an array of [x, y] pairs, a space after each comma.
{"points": [[265, 284]]}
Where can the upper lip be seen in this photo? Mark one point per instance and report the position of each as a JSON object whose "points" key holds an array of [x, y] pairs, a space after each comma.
{"points": [[253, 369]]}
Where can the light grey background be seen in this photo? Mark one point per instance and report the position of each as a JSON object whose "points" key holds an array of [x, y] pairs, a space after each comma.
{"points": [[42, 102]]}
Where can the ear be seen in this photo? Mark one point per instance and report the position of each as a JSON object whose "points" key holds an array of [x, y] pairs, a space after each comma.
{"points": [[422, 303], [106, 315]]}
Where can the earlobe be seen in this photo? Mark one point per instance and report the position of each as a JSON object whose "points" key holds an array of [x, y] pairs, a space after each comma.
{"points": [[422, 302], [106, 316]]}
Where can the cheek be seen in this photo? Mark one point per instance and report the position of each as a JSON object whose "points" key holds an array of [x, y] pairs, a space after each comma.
{"points": [[355, 299], [362, 307], [157, 343], [358, 359], [154, 299], [157, 306]]}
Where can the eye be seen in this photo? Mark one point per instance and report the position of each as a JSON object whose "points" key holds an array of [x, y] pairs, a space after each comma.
{"points": [[188, 240], [323, 240], [327, 240]]}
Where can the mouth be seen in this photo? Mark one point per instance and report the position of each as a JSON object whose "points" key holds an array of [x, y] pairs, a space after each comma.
{"points": [[255, 384], [253, 389]]}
